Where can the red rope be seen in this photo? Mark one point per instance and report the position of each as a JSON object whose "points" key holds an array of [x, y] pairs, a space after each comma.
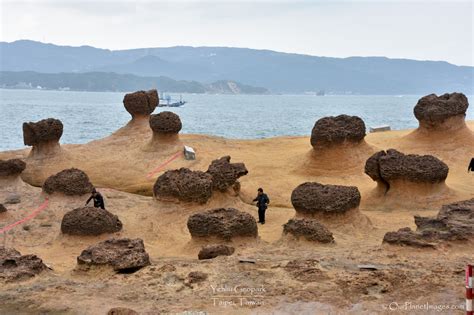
{"points": [[43, 206], [157, 169]]}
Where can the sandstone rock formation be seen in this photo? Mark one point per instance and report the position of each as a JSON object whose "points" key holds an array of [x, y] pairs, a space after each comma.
{"points": [[90, 221], [196, 277], [212, 251], [309, 229], [141, 103], [13, 167], [124, 255], [222, 223], [454, 222], [315, 198], [432, 110], [183, 185], [71, 182], [43, 135], [329, 131], [14, 266], [386, 167], [225, 174], [165, 123]]}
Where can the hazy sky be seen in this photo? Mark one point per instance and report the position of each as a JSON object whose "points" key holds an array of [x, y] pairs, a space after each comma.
{"points": [[424, 30]]}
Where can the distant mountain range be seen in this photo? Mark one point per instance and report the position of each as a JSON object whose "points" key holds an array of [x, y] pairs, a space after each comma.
{"points": [[274, 71], [106, 81]]}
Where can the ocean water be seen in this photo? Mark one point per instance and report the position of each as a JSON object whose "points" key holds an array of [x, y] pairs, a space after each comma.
{"points": [[92, 115]]}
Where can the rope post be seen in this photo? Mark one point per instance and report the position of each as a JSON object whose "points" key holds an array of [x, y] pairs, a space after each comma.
{"points": [[469, 295]]}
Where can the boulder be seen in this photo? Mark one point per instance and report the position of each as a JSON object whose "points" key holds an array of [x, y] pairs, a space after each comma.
{"points": [[212, 251], [2, 208], [71, 182], [11, 167], [165, 123], [46, 130], [124, 255], [393, 165], [14, 266], [141, 103], [309, 229], [406, 236], [184, 185], [90, 221], [329, 131], [225, 174], [313, 198], [197, 276], [222, 223], [454, 222], [432, 110]]}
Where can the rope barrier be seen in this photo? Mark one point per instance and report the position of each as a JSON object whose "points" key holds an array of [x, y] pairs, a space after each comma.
{"points": [[157, 169], [469, 294], [43, 206]]}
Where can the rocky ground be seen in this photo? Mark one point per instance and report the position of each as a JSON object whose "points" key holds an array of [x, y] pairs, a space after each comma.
{"points": [[273, 273]]}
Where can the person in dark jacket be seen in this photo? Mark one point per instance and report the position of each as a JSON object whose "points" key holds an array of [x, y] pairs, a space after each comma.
{"points": [[262, 204], [470, 168], [98, 199]]}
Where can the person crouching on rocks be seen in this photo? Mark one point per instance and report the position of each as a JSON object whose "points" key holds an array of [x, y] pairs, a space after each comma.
{"points": [[98, 199], [262, 204]]}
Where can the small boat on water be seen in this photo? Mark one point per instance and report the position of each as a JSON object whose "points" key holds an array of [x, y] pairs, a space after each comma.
{"points": [[170, 102]]}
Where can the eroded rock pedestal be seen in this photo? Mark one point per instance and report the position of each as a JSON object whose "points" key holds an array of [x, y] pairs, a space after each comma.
{"points": [[43, 136], [445, 113], [454, 222], [14, 266], [310, 229], [123, 255], [71, 182], [90, 221], [222, 223], [397, 173], [183, 185]]}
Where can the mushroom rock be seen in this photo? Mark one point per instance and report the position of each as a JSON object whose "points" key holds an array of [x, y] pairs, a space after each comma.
{"points": [[454, 222], [183, 185], [44, 136], [392, 169], [338, 147], [212, 251], [14, 266], [446, 112], [124, 255], [90, 221], [330, 131], [222, 223], [2, 208], [71, 182], [166, 127], [225, 174], [10, 171], [309, 229], [315, 198], [11, 168], [141, 104]]}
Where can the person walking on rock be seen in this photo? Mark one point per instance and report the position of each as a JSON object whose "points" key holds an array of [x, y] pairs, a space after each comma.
{"points": [[262, 204], [98, 199]]}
